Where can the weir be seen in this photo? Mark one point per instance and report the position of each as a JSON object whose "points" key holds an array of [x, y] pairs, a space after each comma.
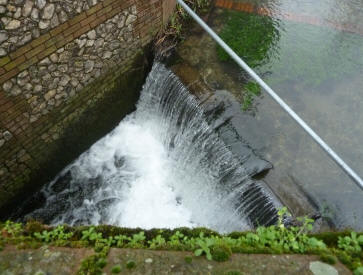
{"points": [[163, 166]]}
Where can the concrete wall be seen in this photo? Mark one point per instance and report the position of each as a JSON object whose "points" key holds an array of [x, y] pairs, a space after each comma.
{"points": [[62, 60]]}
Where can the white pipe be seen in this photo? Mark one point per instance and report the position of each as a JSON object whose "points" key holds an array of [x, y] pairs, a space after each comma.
{"points": [[283, 105]]}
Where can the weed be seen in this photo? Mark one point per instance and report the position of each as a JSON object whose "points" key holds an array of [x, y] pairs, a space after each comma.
{"points": [[328, 258], [188, 259], [116, 269], [130, 264]]}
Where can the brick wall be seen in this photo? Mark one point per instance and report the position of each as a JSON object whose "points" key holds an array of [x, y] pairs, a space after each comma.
{"points": [[49, 83]]}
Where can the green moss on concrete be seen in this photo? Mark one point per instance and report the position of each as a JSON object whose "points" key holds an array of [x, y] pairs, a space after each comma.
{"points": [[270, 240]]}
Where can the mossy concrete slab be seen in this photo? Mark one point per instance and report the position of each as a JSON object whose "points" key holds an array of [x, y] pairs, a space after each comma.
{"points": [[174, 262], [49, 260], [56, 260]]}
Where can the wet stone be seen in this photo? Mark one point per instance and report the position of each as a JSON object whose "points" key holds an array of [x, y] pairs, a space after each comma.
{"points": [[27, 8], [130, 19], [38, 88], [13, 24], [26, 38], [45, 61], [91, 35], [107, 55], [11, 8], [21, 81], [3, 52], [64, 80], [54, 58], [35, 33], [17, 14], [35, 14], [63, 17], [7, 86], [41, 3], [319, 268], [88, 66], [49, 95], [23, 74], [54, 21], [7, 135], [3, 36], [15, 91], [43, 24]]}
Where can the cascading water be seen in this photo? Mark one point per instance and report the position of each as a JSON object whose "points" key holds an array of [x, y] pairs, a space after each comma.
{"points": [[163, 166]]}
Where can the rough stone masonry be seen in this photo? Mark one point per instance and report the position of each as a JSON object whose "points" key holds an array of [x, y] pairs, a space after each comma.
{"points": [[58, 61]]}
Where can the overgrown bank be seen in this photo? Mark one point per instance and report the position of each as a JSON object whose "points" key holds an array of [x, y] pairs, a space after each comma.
{"points": [[330, 246]]}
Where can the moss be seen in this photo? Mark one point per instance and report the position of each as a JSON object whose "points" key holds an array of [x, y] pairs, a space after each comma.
{"points": [[233, 272], [116, 269], [33, 226], [358, 271], [130, 264], [188, 259], [92, 265], [328, 258], [101, 262], [331, 238], [251, 36], [221, 253]]}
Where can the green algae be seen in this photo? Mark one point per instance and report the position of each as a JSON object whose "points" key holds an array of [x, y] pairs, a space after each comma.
{"points": [[251, 36]]}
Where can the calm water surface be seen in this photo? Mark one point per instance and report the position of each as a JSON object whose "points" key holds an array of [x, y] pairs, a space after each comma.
{"points": [[318, 70]]}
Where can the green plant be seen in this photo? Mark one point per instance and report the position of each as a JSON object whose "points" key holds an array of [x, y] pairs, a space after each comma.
{"points": [[130, 264], [204, 245], [188, 259], [358, 271], [221, 252], [101, 262], [91, 235], [137, 240], [351, 244], [328, 258], [90, 265], [121, 240], [12, 228], [116, 269], [56, 235], [157, 242]]}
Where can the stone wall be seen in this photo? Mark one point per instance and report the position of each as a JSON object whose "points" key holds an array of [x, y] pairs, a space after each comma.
{"points": [[60, 61]]}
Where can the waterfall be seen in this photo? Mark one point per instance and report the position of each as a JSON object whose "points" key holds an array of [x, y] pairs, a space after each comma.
{"points": [[163, 166]]}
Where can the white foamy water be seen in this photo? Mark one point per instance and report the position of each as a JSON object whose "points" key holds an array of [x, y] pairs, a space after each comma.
{"points": [[161, 167]]}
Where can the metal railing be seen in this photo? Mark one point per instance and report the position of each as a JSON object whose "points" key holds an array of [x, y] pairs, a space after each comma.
{"points": [[351, 173]]}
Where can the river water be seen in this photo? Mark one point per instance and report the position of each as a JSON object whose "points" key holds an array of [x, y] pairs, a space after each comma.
{"points": [[314, 61]]}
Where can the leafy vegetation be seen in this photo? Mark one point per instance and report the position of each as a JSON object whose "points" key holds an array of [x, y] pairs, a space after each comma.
{"points": [[273, 239]]}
